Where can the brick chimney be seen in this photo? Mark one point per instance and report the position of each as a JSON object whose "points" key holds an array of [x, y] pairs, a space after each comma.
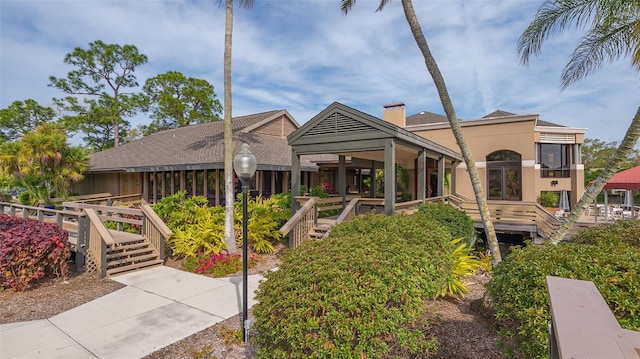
{"points": [[395, 113]]}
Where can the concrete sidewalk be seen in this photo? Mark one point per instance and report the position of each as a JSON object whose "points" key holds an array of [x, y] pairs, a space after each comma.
{"points": [[158, 307]]}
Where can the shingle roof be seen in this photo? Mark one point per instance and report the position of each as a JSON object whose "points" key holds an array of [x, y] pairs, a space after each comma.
{"points": [[424, 118], [498, 113], [195, 147], [501, 113]]}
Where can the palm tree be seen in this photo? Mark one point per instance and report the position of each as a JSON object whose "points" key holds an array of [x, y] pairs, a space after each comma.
{"points": [[613, 32], [441, 87], [229, 195]]}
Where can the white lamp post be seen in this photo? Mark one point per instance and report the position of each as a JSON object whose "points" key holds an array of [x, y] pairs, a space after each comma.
{"points": [[244, 164]]}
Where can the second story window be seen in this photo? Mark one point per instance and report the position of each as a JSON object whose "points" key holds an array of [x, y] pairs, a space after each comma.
{"points": [[554, 160]]}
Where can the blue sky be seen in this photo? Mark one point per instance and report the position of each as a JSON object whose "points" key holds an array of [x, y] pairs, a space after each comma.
{"points": [[302, 55]]}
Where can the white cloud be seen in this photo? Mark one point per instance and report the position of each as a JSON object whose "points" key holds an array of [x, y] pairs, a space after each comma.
{"points": [[303, 55]]}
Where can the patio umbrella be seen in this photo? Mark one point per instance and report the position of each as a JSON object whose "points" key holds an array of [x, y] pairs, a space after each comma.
{"points": [[564, 200]]}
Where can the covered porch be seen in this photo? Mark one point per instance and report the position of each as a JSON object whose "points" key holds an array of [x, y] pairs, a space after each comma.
{"points": [[364, 143]]}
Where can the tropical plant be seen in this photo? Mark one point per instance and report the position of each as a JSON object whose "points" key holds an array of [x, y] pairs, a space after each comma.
{"points": [[464, 265], [613, 31], [447, 104], [43, 163]]}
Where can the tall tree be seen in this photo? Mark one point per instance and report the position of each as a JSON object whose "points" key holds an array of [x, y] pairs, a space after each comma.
{"points": [[175, 100], [102, 77], [596, 154], [452, 117], [43, 162], [612, 32], [229, 194], [21, 117]]}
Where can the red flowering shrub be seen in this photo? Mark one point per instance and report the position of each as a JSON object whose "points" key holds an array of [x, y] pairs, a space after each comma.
{"points": [[218, 265], [29, 249]]}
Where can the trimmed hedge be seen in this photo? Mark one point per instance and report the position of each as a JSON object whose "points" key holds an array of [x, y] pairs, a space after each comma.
{"points": [[459, 224], [519, 293], [359, 293]]}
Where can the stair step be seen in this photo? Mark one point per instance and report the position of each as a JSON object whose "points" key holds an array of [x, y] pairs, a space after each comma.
{"points": [[135, 259], [128, 247], [134, 267], [129, 253]]}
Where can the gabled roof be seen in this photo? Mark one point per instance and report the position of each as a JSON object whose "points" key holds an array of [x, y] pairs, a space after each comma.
{"points": [[342, 129], [199, 147], [499, 113]]}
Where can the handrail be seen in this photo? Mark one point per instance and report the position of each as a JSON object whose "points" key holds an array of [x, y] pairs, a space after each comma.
{"points": [[99, 239], [155, 219], [297, 217], [299, 225], [349, 211], [104, 233]]}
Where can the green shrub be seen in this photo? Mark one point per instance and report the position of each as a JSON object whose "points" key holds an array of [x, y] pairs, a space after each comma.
{"points": [[459, 224], [549, 199], [205, 236], [359, 293], [199, 228], [620, 232], [518, 287]]}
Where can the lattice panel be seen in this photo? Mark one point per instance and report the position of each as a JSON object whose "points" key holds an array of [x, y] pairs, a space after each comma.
{"points": [[90, 263]]}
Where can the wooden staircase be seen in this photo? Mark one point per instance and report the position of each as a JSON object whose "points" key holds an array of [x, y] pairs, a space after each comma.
{"points": [[132, 252], [319, 231]]}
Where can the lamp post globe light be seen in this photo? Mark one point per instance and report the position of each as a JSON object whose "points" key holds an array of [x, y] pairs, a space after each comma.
{"points": [[244, 164]]}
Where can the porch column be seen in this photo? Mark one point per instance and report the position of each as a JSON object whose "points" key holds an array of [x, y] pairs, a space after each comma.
{"points": [[155, 187], [372, 180], [295, 180], [273, 182], [194, 181], [217, 187], [145, 186], [173, 183], [389, 177], [422, 175], [183, 179], [441, 176], [452, 182], [342, 177], [163, 186], [205, 185]]}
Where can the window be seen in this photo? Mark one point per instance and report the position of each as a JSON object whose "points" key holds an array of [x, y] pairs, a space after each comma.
{"points": [[554, 160]]}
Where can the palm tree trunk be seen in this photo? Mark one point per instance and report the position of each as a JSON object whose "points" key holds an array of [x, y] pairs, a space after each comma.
{"points": [[622, 153], [229, 196], [438, 80]]}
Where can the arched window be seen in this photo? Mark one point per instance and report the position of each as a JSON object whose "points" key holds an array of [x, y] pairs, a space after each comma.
{"points": [[504, 175]]}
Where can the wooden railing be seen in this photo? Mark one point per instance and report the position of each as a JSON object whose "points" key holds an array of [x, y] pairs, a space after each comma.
{"points": [[119, 215], [582, 325], [298, 227], [99, 240], [154, 229], [326, 204]]}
